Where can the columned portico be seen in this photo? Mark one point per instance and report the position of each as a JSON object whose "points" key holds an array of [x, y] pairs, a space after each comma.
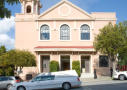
{"points": [[65, 56]]}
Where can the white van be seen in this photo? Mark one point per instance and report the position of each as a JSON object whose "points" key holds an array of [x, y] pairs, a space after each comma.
{"points": [[62, 79]]}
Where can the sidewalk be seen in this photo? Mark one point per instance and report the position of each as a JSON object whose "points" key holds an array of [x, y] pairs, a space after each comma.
{"points": [[104, 78], [100, 81]]}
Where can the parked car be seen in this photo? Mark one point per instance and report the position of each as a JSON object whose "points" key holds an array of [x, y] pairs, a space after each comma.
{"points": [[7, 81], [63, 79], [121, 75]]}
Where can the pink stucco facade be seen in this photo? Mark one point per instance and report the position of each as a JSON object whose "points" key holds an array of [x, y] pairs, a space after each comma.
{"points": [[28, 26]]}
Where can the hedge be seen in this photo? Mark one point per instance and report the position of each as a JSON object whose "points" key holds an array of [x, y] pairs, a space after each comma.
{"points": [[76, 67], [54, 66]]}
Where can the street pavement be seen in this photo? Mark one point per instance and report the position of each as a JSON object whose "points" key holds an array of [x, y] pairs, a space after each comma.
{"points": [[103, 85]]}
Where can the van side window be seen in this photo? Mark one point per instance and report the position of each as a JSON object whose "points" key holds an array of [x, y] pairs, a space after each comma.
{"points": [[45, 78], [3, 79]]}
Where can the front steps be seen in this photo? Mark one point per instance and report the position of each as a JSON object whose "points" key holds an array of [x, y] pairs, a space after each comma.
{"points": [[87, 75]]}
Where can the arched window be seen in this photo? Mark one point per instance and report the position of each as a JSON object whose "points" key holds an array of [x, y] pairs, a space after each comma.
{"points": [[44, 32], [28, 9], [85, 32], [64, 32]]}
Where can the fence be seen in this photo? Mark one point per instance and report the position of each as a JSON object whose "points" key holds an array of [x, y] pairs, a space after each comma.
{"points": [[123, 68]]}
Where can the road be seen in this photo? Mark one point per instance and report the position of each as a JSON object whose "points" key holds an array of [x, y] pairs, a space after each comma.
{"points": [[121, 86], [105, 85]]}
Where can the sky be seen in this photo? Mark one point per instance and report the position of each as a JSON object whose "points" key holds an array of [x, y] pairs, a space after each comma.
{"points": [[7, 25]]}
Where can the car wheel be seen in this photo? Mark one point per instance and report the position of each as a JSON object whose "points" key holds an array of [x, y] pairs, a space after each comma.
{"points": [[122, 77], [66, 86], [21, 88], [8, 86]]}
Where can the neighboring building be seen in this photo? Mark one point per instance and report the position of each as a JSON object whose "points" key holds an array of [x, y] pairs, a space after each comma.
{"points": [[63, 33]]}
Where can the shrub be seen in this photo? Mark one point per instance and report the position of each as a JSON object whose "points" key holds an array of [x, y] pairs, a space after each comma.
{"points": [[54, 66], [76, 66], [7, 71]]}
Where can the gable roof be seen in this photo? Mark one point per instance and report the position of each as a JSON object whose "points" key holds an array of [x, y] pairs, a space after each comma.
{"points": [[69, 3]]}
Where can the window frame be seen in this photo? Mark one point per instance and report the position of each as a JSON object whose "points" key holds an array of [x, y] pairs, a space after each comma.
{"points": [[40, 33], [69, 32], [89, 33]]}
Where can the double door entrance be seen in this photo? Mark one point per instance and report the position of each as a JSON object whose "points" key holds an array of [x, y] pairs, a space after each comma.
{"points": [[45, 61], [65, 62], [85, 64]]}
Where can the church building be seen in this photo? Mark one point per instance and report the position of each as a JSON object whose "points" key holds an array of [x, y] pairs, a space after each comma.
{"points": [[64, 33]]}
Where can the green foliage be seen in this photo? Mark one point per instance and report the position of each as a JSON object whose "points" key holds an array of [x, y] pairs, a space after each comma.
{"points": [[17, 58], [76, 66], [4, 12], [123, 51], [110, 40], [54, 66], [7, 71], [2, 50]]}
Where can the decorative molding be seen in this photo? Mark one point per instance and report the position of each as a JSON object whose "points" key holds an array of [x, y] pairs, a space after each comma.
{"points": [[64, 14], [63, 19], [65, 49], [69, 3]]}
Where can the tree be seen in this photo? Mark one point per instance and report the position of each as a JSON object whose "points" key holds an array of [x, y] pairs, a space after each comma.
{"points": [[2, 50], [18, 58], [110, 40], [123, 51], [4, 12]]}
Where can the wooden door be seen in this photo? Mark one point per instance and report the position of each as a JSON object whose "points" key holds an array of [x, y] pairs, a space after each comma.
{"points": [[45, 63]]}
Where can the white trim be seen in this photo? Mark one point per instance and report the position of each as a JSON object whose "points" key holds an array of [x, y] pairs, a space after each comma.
{"points": [[70, 32], [80, 61], [49, 32], [59, 63], [92, 61], [39, 63], [105, 19], [90, 32], [65, 19], [65, 49], [70, 62], [32, 8]]}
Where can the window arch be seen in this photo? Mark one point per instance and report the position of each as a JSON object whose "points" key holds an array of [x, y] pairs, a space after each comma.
{"points": [[85, 32], [28, 10], [44, 32], [64, 32]]}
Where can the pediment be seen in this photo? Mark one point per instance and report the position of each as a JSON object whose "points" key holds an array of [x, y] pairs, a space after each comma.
{"points": [[65, 10]]}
